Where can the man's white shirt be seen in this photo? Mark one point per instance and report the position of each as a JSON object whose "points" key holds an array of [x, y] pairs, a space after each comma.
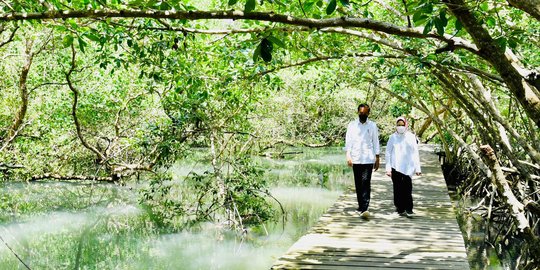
{"points": [[362, 141]]}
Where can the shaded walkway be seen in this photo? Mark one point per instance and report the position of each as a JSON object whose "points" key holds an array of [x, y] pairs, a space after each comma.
{"points": [[342, 240]]}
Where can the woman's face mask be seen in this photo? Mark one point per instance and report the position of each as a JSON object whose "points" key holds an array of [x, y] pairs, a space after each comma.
{"points": [[400, 127]]}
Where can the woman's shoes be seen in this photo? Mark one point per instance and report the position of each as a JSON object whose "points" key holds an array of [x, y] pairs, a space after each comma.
{"points": [[406, 213]]}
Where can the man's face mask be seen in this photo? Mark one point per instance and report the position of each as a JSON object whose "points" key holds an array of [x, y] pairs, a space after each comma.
{"points": [[363, 113], [362, 117]]}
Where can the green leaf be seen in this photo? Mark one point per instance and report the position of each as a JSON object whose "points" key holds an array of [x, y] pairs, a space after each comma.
{"points": [[512, 43], [308, 5], [331, 7], [490, 21], [280, 3], [82, 44], [427, 8], [250, 5], [345, 2], [375, 47], [442, 16], [136, 3], [257, 53], [93, 37], [67, 41], [501, 42], [458, 25], [419, 18], [164, 6], [73, 23], [232, 2], [439, 25], [266, 50], [277, 41], [484, 6], [428, 27]]}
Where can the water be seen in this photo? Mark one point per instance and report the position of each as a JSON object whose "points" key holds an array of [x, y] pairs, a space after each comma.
{"points": [[74, 226], [52, 225], [481, 255]]}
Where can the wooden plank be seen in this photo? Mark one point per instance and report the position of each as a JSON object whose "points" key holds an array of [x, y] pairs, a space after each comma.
{"points": [[431, 239]]}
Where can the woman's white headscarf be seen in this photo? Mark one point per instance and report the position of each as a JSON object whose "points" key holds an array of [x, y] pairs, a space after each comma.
{"points": [[404, 120]]}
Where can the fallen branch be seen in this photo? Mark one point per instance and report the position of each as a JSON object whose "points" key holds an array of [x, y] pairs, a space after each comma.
{"points": [[71, 177], [5, 166], [16, 255]]}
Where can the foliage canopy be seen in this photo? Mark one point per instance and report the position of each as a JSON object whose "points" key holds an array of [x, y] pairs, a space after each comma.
{"points": [[110, 89]]}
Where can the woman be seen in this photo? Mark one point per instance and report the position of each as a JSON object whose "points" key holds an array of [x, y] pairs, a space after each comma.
{"points": [[402, 162]]}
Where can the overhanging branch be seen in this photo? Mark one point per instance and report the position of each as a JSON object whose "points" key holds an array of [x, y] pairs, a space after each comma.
{"points": [[344, 21], [325, 58]]}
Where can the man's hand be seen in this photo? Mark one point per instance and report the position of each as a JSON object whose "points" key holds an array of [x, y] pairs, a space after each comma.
{"points": [[349, 162], [376, 165], [389, 173], [418, 173]]}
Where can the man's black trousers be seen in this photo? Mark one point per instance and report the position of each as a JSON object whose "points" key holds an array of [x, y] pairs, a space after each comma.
{"points": [[362, 183]]}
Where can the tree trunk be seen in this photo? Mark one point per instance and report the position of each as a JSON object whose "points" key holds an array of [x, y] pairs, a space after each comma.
{"points": [[522, 83], [530, 6], [428, 120], [23, 91], [514, 206]]}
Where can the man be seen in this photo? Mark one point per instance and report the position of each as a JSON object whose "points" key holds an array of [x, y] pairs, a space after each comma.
{"points": [[402, 162], [362, 145]]}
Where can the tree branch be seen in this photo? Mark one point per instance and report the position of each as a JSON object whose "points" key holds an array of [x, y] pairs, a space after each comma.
{"points": [[71, 177], [532, 7], [326, 58], [23, 90], [14, 253], [10, 38], [420, 106], [343, 21], [503, 60], [515, 207], [117, 120], [6, 167], [44, 84], [74, 108]]}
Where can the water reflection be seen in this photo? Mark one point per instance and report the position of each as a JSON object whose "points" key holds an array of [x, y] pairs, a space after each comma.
{"points": [[72, 226], [481, 255], [69, 226]]}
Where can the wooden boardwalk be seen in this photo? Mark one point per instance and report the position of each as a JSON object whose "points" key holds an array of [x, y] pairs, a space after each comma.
{"points": [[431, 239]]}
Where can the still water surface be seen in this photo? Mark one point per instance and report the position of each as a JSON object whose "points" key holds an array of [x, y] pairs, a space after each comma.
{"points": [[51, 225]]}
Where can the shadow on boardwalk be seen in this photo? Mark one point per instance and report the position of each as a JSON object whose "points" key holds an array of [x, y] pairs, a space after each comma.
{"points": [[431, 239]]}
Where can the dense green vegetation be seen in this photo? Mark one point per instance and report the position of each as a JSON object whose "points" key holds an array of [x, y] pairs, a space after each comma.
{"points": [[118, 91]]}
